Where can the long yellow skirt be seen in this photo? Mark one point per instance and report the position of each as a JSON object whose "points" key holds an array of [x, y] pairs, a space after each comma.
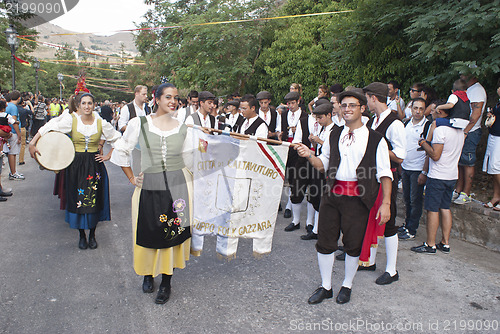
{"points": [[148, 261]]}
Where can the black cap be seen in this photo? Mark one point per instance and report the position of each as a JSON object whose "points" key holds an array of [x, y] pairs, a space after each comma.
{"points": [[206, 96], [379, 89], [321, 101], [235, 103], [292, 96], [323, 109], [264, 95], [336, 88], [356, 92]]}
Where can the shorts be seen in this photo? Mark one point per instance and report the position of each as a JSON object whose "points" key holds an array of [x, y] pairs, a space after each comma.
{"points": [[438, 194], [15, 147], [491, 164], [468, 156]]}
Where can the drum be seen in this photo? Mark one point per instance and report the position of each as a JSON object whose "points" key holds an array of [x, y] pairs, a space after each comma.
{"points": [[56, 151]]}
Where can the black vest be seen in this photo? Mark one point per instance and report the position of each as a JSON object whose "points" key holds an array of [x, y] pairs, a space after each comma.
{"points": [[255, 125], [274, 119], [284, 124], [366, 171], [239, 122], [197, 120], [131, 110], [460, 110], [382, 129], [304, 124]]}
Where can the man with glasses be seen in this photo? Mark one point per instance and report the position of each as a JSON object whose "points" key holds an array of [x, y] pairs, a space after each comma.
{"points": [[415, 91], [356, 160], [388, 125]]}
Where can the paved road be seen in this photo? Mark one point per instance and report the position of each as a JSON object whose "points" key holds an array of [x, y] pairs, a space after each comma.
{"points": [[48, 285]]}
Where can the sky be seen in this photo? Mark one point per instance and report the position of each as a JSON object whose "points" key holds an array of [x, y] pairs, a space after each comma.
{"points": [[102, 16]]}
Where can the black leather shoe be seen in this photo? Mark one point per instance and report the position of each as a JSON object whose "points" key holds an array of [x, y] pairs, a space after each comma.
{"points": [[5, 193], [369, 268], [309, 236], [344, 295], [292, 227], [386, 278], [2, 199], [340, 257], [83, 243], [163, 295], [319, 295], [288, 213], [92, 243], [280, 208], [148, 285]]}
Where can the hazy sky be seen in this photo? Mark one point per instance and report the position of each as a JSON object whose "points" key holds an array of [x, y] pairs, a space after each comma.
{"points": [[103, 16]]}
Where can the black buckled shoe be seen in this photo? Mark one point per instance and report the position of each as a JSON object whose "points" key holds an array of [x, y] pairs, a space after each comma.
{"points": [[82, 244], [373, 267], [287, 213], [5, 193], [163, 295], [148, 285], [319, 295], [309, 236], [292, 227], [386, 278], [344, 295], [2, 199], [92, 242]]}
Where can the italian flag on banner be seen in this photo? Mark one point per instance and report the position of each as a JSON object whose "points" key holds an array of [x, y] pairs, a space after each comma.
{"points": [[237, 191]]}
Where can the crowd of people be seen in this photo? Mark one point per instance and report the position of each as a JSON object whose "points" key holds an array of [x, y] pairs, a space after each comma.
{"points": [[350, 148]]}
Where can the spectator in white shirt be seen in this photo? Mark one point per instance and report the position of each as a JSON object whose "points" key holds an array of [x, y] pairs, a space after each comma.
{"points": [[135, 108]]}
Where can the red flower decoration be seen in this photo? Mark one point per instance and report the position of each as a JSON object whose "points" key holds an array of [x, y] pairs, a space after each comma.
{"points": [[90, 177]]}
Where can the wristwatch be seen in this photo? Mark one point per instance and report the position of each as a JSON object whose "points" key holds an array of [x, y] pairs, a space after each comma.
{"points": [[424, 172]]}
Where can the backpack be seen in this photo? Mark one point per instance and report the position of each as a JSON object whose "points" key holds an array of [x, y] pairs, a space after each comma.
{"points": [[40, 111]]}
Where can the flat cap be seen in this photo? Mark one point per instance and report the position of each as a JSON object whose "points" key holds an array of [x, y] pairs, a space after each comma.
{"points": [[356, 93], [321, 100], [377, 88], [292, 96], [235, 103], [323, 109], [336, 88], [264, 95], [206, 95]]}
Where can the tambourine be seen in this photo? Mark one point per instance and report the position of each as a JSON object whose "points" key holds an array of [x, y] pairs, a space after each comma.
{"points": [[56, 151]]}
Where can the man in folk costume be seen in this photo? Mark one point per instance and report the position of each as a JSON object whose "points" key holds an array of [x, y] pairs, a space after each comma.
{"points": [[289, 121], [253, 125], [388, 125], [138, 107], [192, 106], [356, 160], [303, 180], [269, 114], [203, 117], [233, 116], [323, 114]]}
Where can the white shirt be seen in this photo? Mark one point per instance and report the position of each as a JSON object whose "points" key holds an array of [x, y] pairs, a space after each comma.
{"points": [[261, 131], [64, 124], [183, 113], [339, 121], [476, 93], [393, 105], [204, 120], [395, 134], [314, 129], [293, 119], [9, 117], [352, 152], [324, 135], [232, 118], [123, 147], [414, 160], [446, 168], [125, 114], [266, 116]]}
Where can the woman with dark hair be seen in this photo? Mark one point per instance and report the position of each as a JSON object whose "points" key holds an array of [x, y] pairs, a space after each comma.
{"points": [[87, 184], [491, 163], [161, 209]]}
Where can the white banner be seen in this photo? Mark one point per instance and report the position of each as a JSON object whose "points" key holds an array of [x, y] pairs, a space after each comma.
{"points": [[237, 191]]}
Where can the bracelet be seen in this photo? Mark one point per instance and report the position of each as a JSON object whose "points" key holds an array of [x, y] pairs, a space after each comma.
{"points": [[423, 172], [130, 178], [310, 156]]}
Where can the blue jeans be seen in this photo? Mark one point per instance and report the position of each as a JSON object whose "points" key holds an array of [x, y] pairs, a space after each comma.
{"points": [[413, 194]]}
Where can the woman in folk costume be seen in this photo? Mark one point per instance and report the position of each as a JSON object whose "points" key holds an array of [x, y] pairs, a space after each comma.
{"points": [[161, 210], [87, 184]]}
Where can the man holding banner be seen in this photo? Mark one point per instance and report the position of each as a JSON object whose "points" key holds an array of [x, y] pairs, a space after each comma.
{"points": [[357, 161]]}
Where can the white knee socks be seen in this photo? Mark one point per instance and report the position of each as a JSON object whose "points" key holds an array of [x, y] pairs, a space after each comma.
{"points": [[325, 262], [391, 248], [310, 214], [316, 217], [351, 266], [296, 208]]}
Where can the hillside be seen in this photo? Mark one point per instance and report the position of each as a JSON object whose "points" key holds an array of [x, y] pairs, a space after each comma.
{"points": [[98, 44]]}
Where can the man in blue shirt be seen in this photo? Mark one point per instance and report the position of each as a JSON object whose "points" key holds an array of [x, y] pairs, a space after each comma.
{"points": [[15, 140]]}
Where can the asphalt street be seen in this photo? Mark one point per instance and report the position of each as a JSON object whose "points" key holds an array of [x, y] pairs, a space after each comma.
{"points": [[48, 285]]}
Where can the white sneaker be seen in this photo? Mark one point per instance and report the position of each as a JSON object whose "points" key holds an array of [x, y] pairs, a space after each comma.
{"points": [[16, 176], [455, 195], [462, 199]]}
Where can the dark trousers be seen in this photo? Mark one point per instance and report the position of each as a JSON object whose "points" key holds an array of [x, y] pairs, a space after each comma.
{"points": [[413, 194], [341, 213], [390, 227]]}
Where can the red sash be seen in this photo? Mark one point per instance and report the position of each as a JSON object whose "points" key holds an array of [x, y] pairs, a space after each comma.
{"points": [[346, 188], [373, 232]]}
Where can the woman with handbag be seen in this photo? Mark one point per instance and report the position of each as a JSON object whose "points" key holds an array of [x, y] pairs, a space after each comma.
{"points": [[161, 208]]}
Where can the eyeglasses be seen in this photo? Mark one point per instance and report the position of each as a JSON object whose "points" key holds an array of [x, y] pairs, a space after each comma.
{"points": [[414, 90], [350, 106]]}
